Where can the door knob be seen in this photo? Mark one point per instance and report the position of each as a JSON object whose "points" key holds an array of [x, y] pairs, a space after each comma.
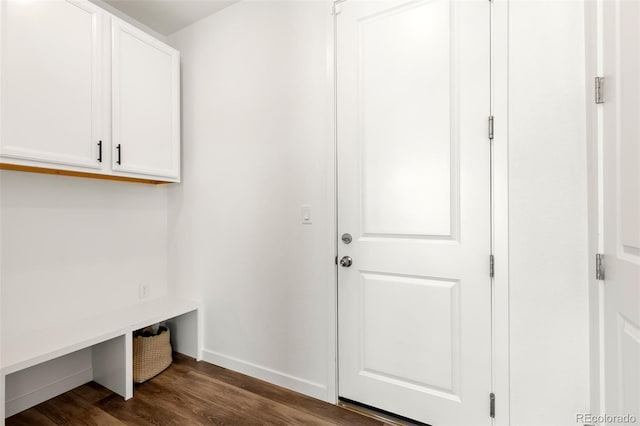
{"points": [[346, 261]]}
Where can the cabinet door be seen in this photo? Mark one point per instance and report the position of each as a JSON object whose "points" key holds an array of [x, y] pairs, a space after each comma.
{"points": [[51, 82], [146, 104]]}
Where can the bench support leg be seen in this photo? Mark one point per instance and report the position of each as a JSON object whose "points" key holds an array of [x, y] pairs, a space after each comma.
{"points": [[113, 365], [185, 334]]}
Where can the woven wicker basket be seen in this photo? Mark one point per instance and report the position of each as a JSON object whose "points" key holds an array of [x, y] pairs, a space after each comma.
{"points": [[151, 356]]}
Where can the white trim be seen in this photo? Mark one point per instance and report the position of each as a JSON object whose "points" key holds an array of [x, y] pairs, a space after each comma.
{"points": [[3, 29], [600, 207], [332, 191], [500, 108], [315, 390], [128, 19], [593, 68], [2, 40], [48, 391], [2, 399]]}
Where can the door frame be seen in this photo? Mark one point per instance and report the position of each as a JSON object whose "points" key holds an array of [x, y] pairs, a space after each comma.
{"points": [[499, 204], [595, 173]]}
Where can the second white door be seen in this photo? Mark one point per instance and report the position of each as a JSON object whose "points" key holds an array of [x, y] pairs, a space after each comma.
{"points": [[414, 194]]}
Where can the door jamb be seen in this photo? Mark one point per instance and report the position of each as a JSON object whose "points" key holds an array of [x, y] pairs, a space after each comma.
{"points": [[595, 145], [332, 197], [500, 208]]}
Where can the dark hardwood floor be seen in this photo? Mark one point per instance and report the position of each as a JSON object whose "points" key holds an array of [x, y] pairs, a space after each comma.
{"points": [[189, 393]]}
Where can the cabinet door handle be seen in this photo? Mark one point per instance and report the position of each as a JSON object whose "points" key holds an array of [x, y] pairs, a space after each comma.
{"points": [[100, 152], [119, 160]]}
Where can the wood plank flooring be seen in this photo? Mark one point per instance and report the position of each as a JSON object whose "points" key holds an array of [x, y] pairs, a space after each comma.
{"points": [[189, 393]]}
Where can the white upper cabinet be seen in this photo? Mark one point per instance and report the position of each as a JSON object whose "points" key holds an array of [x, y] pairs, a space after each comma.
{"points": [[85, 93], [146, 104], [52, 82]]}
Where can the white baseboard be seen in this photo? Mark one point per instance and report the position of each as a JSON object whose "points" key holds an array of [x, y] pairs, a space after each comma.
{"points": [[297, 384], [47, 392]]}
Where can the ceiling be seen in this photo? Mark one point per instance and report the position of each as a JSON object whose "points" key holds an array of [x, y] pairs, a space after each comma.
{"points": [[169, 16]]}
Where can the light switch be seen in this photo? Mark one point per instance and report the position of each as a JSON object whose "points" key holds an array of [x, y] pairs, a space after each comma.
{"points": [[306, 214]]}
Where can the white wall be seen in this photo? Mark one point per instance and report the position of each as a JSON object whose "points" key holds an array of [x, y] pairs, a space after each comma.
{"points": [[257, 144], [548, 213], [71, 248], [75, 247]]}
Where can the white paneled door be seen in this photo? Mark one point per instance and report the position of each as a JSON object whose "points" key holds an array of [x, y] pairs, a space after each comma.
{"points": [[621, 158], [414, 194]]}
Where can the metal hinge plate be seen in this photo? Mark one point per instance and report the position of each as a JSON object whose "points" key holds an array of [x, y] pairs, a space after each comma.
{"points": [[599, 82], [491, 266], [491, 127], [599, 266], [492, 405], [336, 9]]}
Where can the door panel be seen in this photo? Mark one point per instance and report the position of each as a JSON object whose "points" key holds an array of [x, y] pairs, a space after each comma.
{"points": [[414, 171], [392, 302], [51, 81], [412, 106], [622, 207], [629, 371]]}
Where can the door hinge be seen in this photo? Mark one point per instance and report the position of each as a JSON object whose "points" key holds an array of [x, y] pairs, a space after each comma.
{"points": [[599, 82], [491, 265], [599, 266], [492, 405], [491, 127], [336, 260], [336, 9]]}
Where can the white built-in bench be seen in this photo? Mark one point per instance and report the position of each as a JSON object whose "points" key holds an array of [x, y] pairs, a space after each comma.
{"points": [[110, 337]]}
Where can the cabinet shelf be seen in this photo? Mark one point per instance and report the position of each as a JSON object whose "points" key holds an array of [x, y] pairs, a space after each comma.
{"points": [[47, 171]]}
